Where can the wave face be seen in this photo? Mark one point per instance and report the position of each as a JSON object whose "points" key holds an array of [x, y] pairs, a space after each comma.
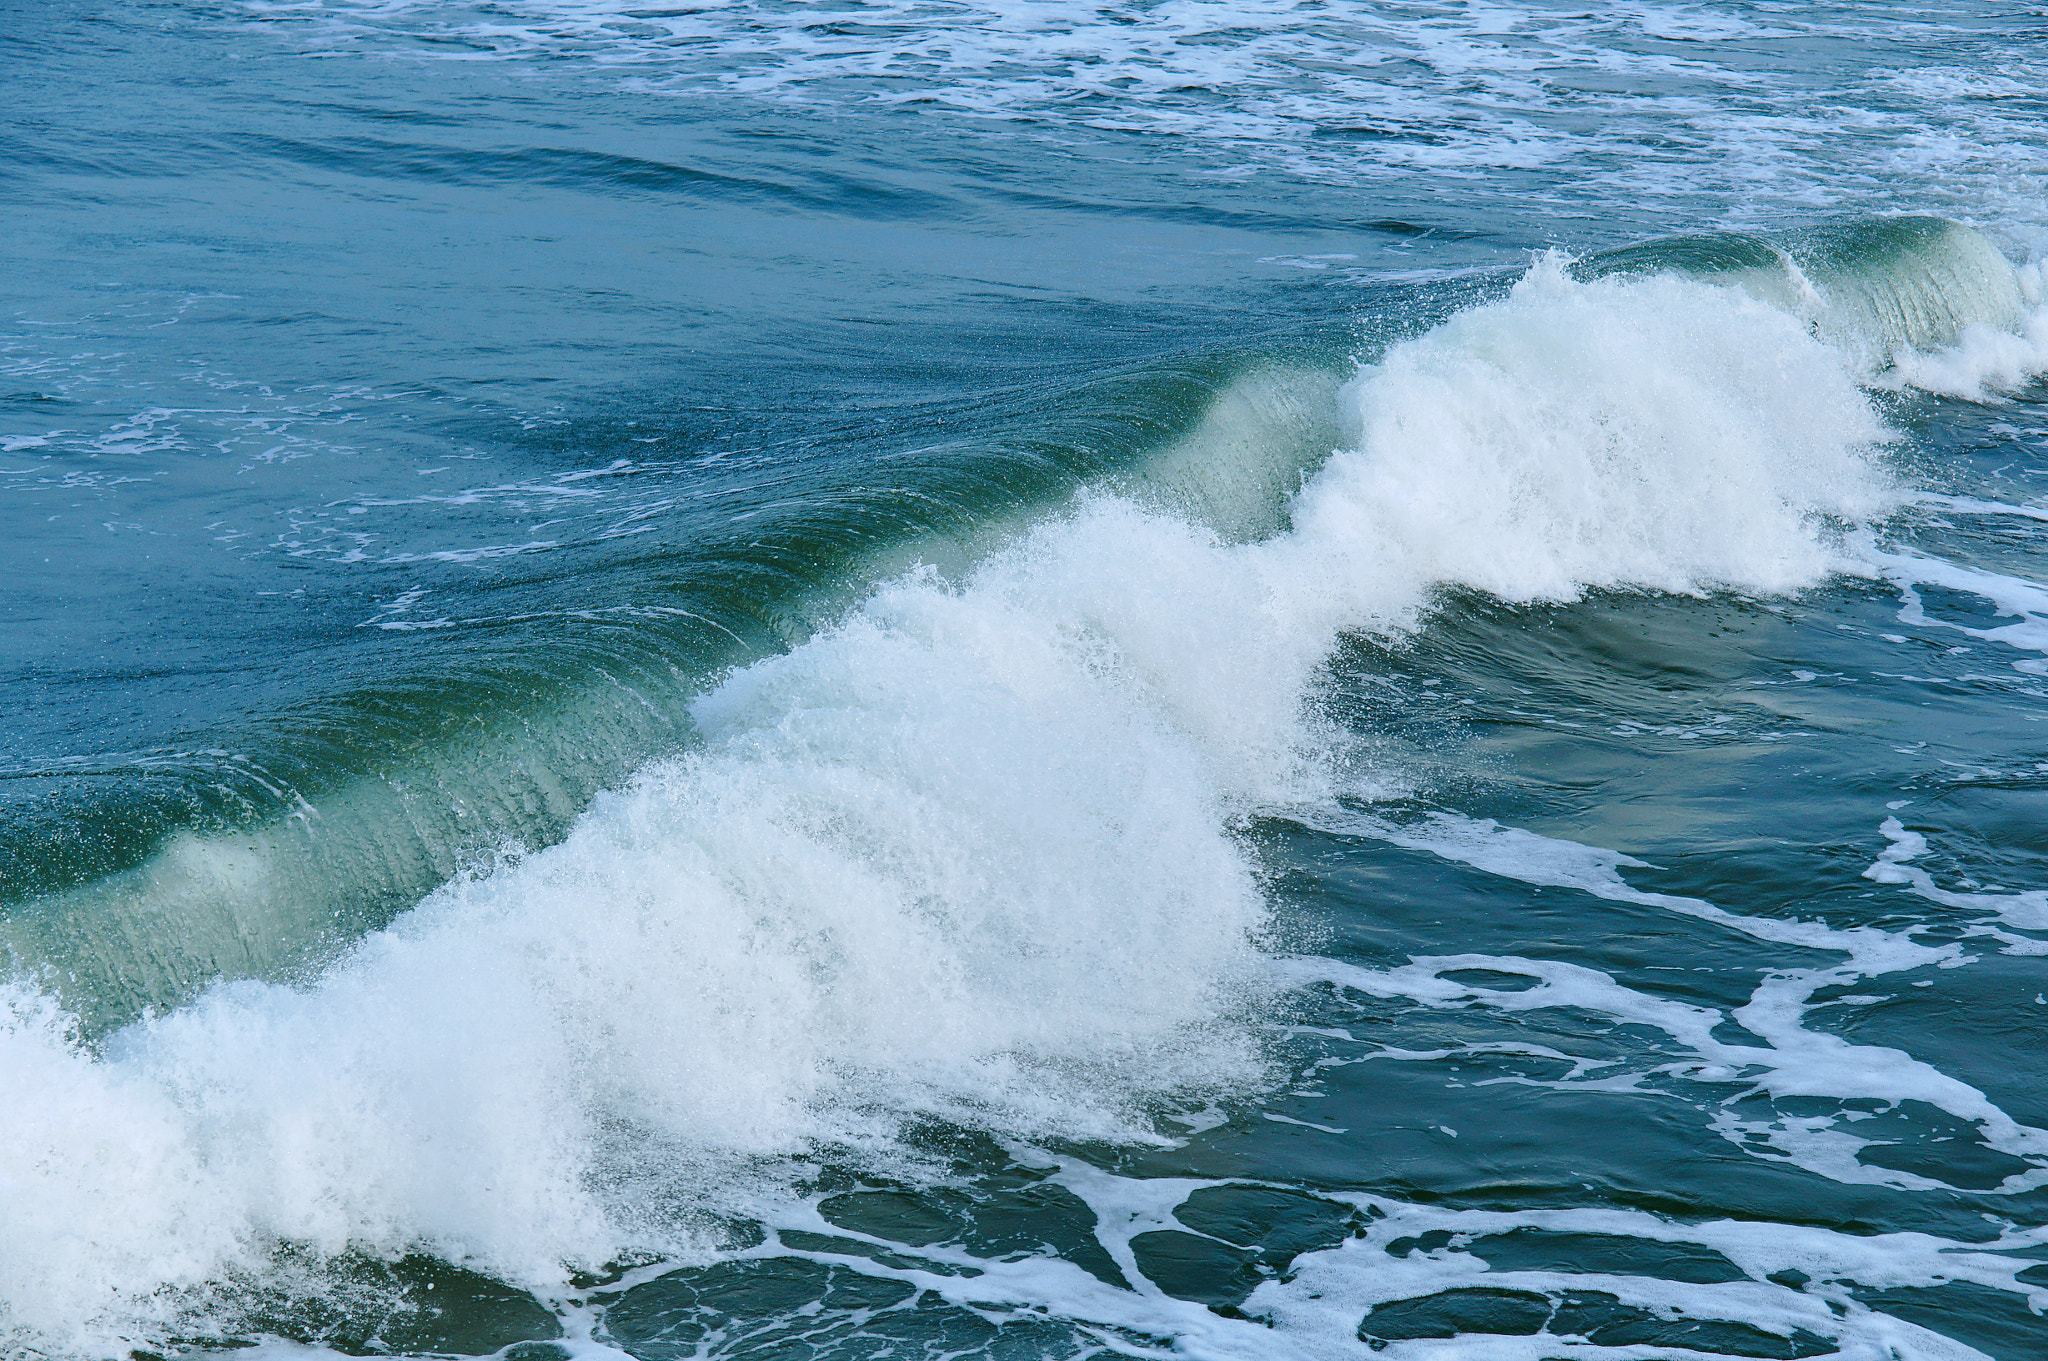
{"points": [[1008, 682], [261, 901], [1912, 301]]}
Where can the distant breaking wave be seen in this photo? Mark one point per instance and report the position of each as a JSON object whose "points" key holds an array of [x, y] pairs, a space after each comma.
{"points": [[1341, 92]]}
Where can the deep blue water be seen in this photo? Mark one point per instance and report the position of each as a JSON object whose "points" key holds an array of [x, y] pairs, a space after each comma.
{"points": [[921, 680]]}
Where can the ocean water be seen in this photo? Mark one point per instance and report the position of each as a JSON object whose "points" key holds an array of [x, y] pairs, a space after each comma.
{"points": [[946, 679]]}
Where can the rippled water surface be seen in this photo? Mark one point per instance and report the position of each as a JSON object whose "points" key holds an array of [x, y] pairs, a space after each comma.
{"points": [[927, 680]]}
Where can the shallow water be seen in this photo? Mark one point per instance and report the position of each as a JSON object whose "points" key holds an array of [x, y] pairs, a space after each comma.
{"points": [[978, 680]]}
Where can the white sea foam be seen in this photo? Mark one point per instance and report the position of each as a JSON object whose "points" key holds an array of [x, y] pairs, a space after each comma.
{"points": [[2024, 602], [1984, 361], [1552, 442], [1312, 1311], [1317, 1304], [2027, 910], [1967, 505], [968, 854], [1795, 1061], [1326, 1292]]}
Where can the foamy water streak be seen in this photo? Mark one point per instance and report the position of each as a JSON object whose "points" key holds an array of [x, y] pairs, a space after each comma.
{"points": [[1381, 1252], [1795, 1060], [970, 854], [2024, 602], [1315, 1306]]}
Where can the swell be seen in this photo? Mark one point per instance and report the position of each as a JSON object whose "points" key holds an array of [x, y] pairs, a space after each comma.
{"points": [[969, 851], [126, 896], [349, 814], [817, 190]]}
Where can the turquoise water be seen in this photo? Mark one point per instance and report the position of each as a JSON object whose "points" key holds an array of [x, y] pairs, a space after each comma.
{"points": [[924, 680]]}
